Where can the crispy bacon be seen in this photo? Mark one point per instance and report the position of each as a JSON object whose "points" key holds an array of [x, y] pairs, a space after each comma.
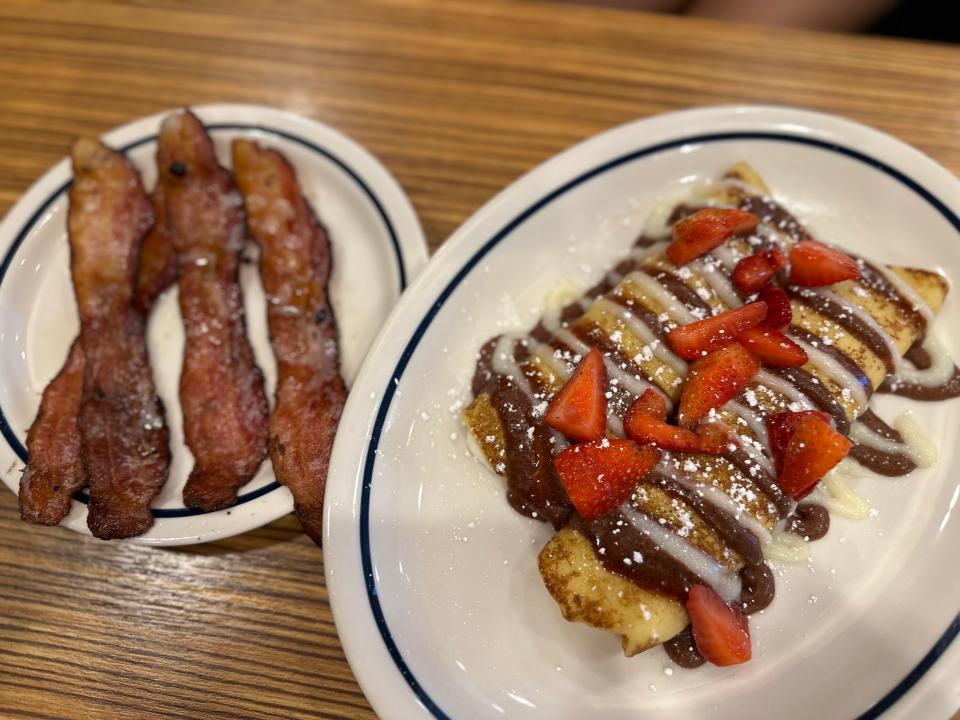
{"points": [[55, 470], [295, 265], [158, 261], [225, 413], [124, 436]]}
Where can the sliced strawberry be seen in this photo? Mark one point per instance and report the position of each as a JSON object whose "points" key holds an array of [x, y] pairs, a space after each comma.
{"points": [[721, 632], [773, 347], [752, 273], [699, 338], [579, 410], [710, 438], [777, 258], [780, 428], [814, 449], [716, 438], [813, 264], [705, 230], [779, 312], [714, 379], [599, 476], [648, 430], [650, 403]]}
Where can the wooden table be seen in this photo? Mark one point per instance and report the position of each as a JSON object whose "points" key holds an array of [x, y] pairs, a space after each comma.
{"points": [[458, 98]]}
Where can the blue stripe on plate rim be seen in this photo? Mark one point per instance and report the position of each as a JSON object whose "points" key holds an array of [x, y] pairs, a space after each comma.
{"points": [[11, 437], [875, 710]]}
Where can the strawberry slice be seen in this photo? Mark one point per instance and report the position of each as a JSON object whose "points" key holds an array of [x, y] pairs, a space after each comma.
{"points": [[773, 347], [714, 379], [650, 403], [720, 631], [705, 230], [779, 312], [716, 438], [813, 264], [781, 426], [814, 449], [777, 258], [599, 476], [752, 273], [647, 429], [699, 338], [579, 410]]}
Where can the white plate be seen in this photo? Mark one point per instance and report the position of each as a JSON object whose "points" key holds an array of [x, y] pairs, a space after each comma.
{"points": [[378, 247], [433, 577]]}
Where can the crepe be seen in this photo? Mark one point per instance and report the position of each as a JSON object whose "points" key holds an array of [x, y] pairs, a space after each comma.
{"points": [[699, 516]]}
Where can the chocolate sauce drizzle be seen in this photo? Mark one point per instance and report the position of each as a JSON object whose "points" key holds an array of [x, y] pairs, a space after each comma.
{"points": [[920, 358], [832, 351], [863, 332], [882, 462], [682, 649], [810, 521], [815, 390], [619, 539]]}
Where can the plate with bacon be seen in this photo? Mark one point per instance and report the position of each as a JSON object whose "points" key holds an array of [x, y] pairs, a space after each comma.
{"points": [[185, 302], [667, 430]]}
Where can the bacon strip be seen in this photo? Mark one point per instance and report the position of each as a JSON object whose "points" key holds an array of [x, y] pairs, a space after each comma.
{"points": [[55, 470], [295, 265], [222, 394], [124, 437], [158, 261]]}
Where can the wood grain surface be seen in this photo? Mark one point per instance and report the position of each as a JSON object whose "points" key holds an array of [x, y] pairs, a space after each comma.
{"points": [[458, 98]]}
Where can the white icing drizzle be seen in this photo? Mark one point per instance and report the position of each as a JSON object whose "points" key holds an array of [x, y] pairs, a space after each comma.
{"points": [[561, 295], [727, 255], [669, 302], [921, 448], [772, 235], [907, 292], [721, 285], [548, 356], [753, 421], [863, 435], [725, 502], [786, 547], [503, 362], [632, 383], [835, 494], [615, 425], [833, 370], [702, 194], [852, 469], [786, 389], [724, 581], [864, 317], [939, 373], [656, 224], [753, 448], [639, 328]]}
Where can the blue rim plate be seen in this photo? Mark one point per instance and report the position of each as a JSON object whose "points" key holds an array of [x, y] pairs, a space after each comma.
{"points": [[378, 246], [433, 578]]}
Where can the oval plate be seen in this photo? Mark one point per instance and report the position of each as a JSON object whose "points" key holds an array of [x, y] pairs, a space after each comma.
{"points": [[433, 577], [378, 246]]}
